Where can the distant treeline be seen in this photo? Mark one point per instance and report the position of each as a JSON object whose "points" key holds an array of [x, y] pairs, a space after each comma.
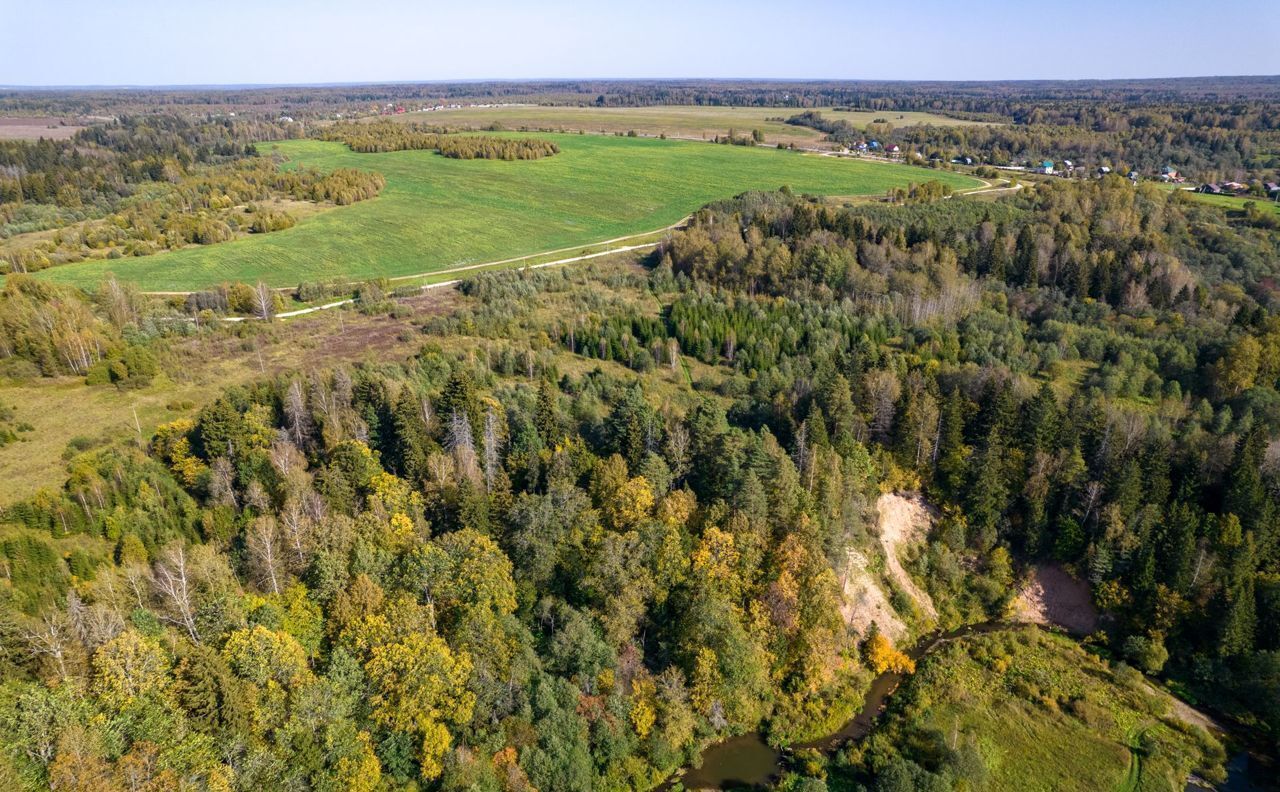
{"points": [[386, 136], [1205, 142], [838, 130], [1008, 100]]}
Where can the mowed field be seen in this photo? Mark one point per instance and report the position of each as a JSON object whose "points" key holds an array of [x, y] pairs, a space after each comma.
{"points": [[437, 213], [33, 128], [679, 121]]}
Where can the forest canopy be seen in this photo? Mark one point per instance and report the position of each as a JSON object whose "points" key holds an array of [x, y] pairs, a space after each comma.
{"points": [[381, 136]]}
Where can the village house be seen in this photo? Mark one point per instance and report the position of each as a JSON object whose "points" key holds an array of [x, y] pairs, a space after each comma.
{"points": [[1046, 167], [1103, 170], [1170, 174]]}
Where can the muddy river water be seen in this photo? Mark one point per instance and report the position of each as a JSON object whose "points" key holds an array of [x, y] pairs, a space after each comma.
{"points": [[747, 761]]}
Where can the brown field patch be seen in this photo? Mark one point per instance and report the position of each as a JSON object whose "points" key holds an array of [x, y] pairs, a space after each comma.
{"points": [[33, 128]]}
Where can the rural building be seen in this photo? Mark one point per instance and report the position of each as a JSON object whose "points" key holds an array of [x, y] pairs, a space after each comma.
{"points": [[1103, 170], [893, 148], [1046, 167], [1170, 174], [1211, 189], [1272, 188]]}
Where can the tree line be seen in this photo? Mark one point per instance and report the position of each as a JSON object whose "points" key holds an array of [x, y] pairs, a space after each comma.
{"points": [[385, 136]]}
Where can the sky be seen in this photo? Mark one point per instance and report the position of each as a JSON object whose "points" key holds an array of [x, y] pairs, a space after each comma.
{"points": [[198, 42]]}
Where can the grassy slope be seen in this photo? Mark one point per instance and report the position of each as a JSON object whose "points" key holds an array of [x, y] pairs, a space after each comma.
{"points": [[437, 213], [1013, 693]]}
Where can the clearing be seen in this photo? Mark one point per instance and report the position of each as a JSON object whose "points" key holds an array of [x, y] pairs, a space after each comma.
{"points": [[36, 127], [438, 213], [1052, 596]]}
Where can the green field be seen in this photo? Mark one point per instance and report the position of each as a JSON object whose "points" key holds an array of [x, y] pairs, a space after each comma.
{"points": [[1029, 710], [438, 213], [1236, 202]]}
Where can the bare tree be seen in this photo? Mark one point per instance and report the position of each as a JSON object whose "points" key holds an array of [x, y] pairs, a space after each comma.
{"points": [[118, 303], [286, 458], [138, 577], [52, 637], [256, 498], [296, 415], [678, 449], [428, 412], [264, 302], [93, 624], [264, 551], [298, 530], [222, 489], [492, 447], [462, 445], [171, 578]]}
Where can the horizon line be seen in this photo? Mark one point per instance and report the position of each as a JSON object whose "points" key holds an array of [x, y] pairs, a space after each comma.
{"points": [[232, 86]]}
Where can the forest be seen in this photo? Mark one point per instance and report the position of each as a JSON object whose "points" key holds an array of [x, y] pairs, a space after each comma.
{"points": [[597, 521], [383, 136]]}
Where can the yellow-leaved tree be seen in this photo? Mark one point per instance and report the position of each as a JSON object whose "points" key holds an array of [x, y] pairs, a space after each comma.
{"points": [[881, 656], [420, 685]]}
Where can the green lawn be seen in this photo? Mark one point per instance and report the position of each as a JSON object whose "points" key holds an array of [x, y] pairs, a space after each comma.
{"points": [[437, 213], [1231, 202]]}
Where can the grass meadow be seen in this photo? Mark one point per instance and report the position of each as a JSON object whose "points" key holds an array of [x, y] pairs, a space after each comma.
{"points": [[437, 213], [1044, 714]]}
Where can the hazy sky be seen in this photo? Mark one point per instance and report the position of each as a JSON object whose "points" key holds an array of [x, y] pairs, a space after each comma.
{"points": [[173, 42]]}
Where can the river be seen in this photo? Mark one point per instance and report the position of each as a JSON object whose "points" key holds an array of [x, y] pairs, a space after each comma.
{"points": [[747, 761]]}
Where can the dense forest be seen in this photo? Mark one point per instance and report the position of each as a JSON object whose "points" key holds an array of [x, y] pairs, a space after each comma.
{"points": [[389, 136], [599, 519]]}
